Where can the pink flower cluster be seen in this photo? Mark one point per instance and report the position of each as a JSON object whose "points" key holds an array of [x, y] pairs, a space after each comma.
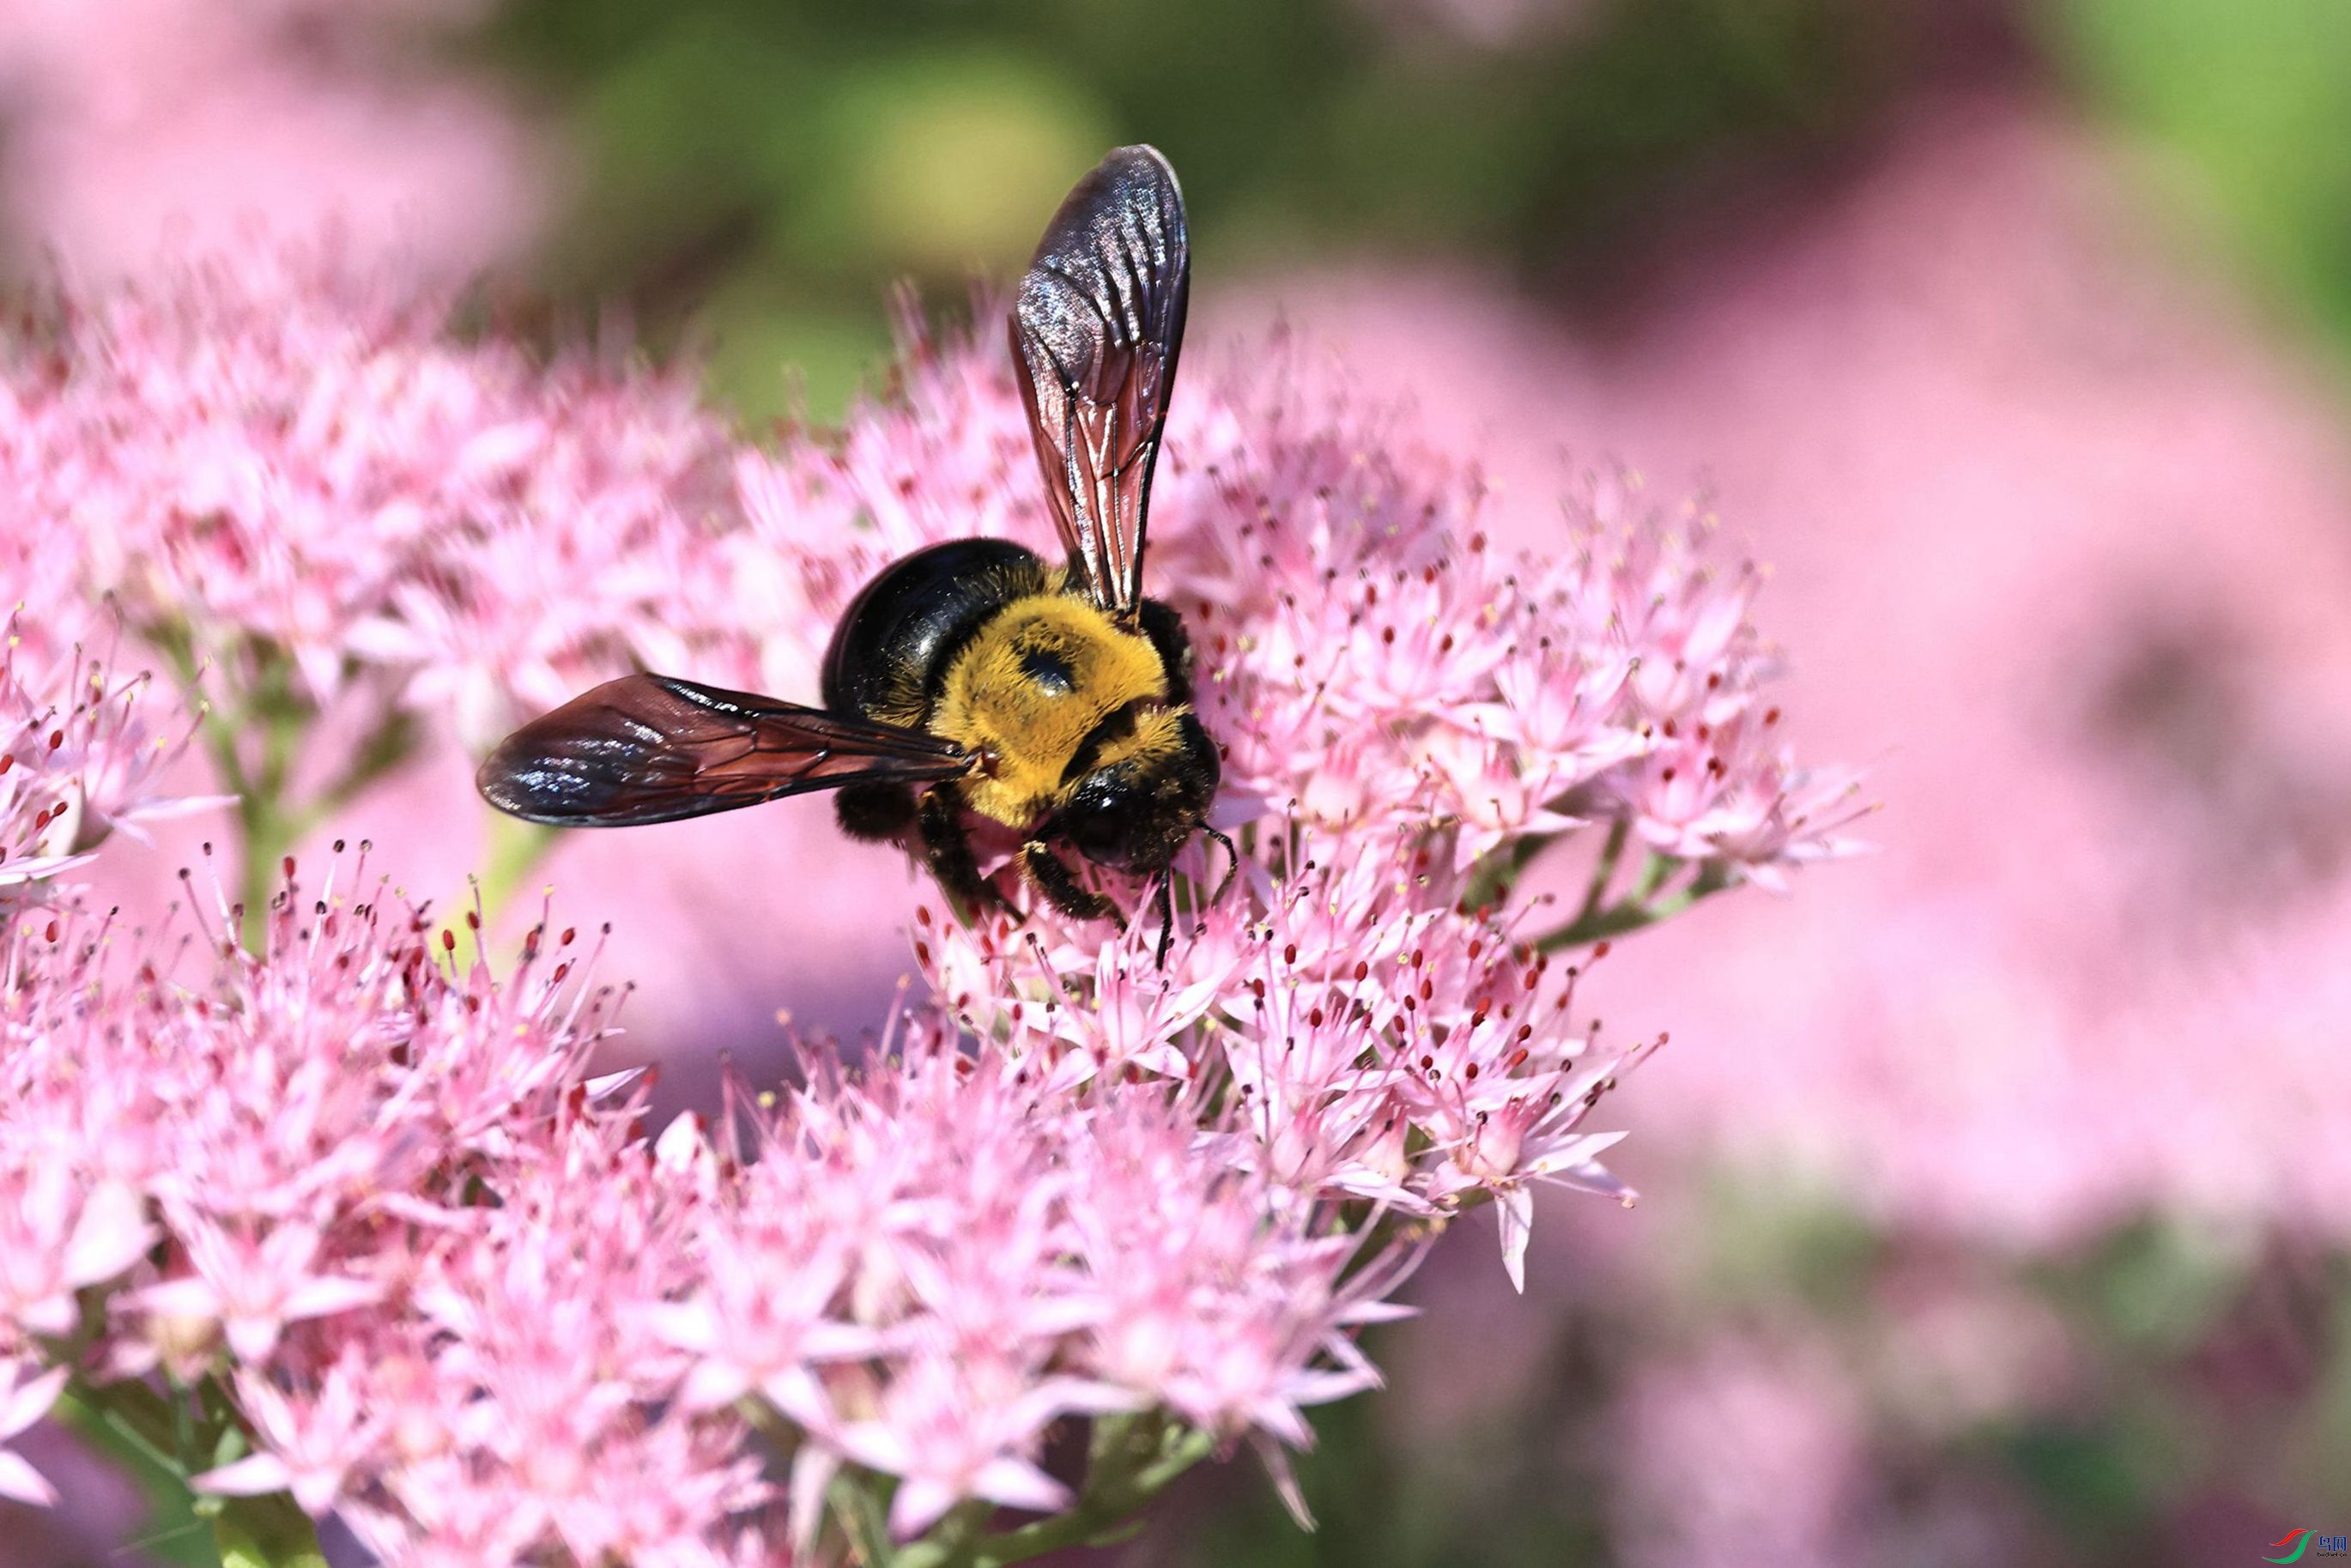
{"points": [[80, 751], [448, 1287], [462, 1299], [1378, 1041], [283, 452]]}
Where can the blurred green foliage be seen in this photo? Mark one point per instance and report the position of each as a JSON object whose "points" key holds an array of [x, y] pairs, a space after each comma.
{"points": [[2252, 99], [759, 173]]}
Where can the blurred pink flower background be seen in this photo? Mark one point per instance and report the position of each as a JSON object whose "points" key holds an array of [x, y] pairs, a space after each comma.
{"points": [[2061, 545], [137, 122]]}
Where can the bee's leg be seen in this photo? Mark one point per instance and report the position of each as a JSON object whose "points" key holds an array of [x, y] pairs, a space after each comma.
{"points": [[877, 813], [1051, 876], [1165, 630], [1164, 902], [946, 850], [1233, 863]]}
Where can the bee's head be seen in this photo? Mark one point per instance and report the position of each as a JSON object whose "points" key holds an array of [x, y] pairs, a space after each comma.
{"points": [[1140, 798]]}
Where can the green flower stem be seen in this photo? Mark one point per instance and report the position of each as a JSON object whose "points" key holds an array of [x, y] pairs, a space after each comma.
{"points": [[1604, 869], [1646, 904], [862, 1504], [127, 1418], [1498, 875], [1132, 1460], [162, 1441], [1135, 1458]]}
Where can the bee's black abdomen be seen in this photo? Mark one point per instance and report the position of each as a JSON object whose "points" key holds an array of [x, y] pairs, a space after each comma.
{"points": [[893, 648]]}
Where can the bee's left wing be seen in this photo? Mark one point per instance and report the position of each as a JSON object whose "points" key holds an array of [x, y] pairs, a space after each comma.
{"points": [[1095, 333], [648, 748]]}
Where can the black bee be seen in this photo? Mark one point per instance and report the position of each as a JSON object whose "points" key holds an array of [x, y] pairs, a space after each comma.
{"points": [[970, 679]]}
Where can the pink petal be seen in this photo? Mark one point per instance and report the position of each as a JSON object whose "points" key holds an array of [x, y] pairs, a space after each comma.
{"points": [[253, 1338], [255, 1476], [21, 1482], [325, 1296], [813, 1468], [1016, 1483], [917, 1505], [111, 1235], [28, 1401], [1514, 1208]]}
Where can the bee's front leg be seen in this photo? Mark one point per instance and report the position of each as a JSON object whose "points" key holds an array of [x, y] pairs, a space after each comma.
{"points": [[946, 850], [1050, 875]]}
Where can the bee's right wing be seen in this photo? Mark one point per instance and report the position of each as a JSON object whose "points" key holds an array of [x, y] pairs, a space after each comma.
{"points": [[1095, 334], [648, 748]]}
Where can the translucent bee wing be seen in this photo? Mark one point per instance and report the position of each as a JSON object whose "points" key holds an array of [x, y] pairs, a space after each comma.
{"points": [[1095, 333], [648, 748]]}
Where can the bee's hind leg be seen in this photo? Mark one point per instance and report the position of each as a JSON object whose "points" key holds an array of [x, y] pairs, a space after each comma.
{"points": [[1051, 876], [946, 850]]}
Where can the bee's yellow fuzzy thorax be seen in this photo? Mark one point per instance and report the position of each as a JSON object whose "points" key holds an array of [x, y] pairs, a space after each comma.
{"points": [[1030, 687]]}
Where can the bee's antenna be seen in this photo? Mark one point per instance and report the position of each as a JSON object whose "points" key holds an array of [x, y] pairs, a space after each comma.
{"points": [[1231, 871]]}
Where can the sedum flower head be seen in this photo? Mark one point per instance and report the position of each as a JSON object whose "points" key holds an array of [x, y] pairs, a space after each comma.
{"points": [[449, 1286], [284, 452]]}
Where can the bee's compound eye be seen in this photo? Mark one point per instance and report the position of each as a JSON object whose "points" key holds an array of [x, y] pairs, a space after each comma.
{"points": [[1096, 825], [1102, 818]]}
